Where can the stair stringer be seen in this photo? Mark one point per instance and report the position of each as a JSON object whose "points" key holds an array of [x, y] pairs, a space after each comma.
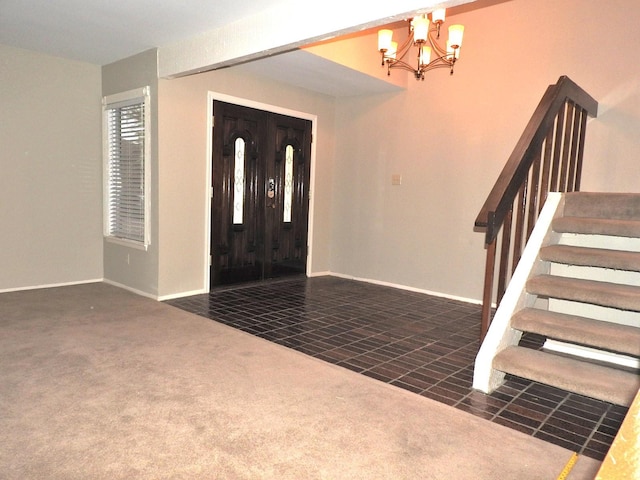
{"points": [[500, 334]]}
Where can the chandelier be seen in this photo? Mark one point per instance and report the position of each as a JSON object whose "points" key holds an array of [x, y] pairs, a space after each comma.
{"points": [[423, 34]]}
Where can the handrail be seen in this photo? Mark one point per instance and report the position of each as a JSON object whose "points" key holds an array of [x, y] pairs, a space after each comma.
{"points": [[492, 213], [547, 157]]}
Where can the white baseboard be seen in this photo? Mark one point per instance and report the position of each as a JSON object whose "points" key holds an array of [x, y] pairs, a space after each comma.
{"points": [[407, 288], [173, 296], [51, 285], [319, 274], [133, 290]]}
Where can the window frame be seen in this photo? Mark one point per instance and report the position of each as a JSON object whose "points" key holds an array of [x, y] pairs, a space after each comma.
{"points": [[110, 102]]}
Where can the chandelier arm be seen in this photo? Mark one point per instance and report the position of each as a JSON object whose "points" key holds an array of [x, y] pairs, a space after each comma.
{"points": [[434, 44], [400, 64], [446, 57], [404, 48], [433, 65], [445, 61]]}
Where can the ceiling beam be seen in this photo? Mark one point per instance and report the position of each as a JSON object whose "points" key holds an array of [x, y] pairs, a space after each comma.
{"points": [[287, 26]]}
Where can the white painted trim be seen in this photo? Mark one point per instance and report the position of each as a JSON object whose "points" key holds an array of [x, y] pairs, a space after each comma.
{"points": [[406, 287], [130, 289], [127, 243], [51, 285], [591, 353], [223, 97], [136, 95], [312, 189], [245, 102], [206, 279], [173, 296], [129, 95], [326, 273], [500, 334]]}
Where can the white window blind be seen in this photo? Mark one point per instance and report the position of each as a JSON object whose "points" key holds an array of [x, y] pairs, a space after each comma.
{"points": [[126, 167]]}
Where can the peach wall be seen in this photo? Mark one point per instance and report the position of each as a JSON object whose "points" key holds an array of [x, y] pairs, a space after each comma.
{"points": [[449, 138]]}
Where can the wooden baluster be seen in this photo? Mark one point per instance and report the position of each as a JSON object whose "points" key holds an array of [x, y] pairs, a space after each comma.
{"points": [[518, 236], [573, 156], [546, 169], [505, 249], [583, 126], [534, 192], [557, 151], [566, 149], [548, 157], [487, 295]]}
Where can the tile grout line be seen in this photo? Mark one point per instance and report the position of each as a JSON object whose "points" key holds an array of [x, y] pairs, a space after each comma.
{"points": [[347, 309], [595, 429]]}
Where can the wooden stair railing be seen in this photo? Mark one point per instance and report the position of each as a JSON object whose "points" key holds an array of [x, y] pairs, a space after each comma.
{"points": [[547, 158]]}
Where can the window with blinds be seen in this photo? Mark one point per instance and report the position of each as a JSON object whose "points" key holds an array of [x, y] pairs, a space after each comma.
{"points": [[126, 132]]}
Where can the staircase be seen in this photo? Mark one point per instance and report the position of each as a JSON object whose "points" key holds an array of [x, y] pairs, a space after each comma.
{"points": [[577, 285]]}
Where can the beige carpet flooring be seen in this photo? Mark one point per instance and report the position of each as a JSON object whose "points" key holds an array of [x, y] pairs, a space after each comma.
{"points": [[98, 383]]}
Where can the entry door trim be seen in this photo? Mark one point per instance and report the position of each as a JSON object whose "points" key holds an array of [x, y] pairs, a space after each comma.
{"points": [[211, 96]]}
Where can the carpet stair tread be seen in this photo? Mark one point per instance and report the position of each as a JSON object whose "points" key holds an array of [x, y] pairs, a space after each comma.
{"points": [[592, 257], [609, 336], [621, 206], [597, 226], [595, 381], [606, 294]]}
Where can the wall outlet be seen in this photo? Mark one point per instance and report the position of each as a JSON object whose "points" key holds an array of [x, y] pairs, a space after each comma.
{"points": [[396, 179]]}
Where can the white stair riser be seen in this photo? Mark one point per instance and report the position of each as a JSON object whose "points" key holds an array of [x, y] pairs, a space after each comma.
{"points": [[600, 241], [501, 335], [605, 314], [595, 273], [592, 354]]}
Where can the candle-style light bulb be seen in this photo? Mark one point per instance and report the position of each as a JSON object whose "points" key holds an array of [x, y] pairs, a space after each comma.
{"points": [[384, 39], [425, 56], [437, 16], [420, 29], [393, 49], [455, 35]]}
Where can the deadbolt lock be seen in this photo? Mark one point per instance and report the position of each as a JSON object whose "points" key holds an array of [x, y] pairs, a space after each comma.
{"points": [[271, 189]]}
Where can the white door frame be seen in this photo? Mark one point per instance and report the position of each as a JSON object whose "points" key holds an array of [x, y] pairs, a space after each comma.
{"points": [[211, 96]]}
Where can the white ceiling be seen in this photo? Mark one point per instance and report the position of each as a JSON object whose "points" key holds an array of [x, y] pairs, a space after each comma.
{"points": [[103, 31], [303, 69]]}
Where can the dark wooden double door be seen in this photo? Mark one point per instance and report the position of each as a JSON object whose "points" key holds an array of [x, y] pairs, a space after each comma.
{"points": [[260, 203]]}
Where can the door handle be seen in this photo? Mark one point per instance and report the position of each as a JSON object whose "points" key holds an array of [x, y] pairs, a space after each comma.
{"points": [[271, 192]]}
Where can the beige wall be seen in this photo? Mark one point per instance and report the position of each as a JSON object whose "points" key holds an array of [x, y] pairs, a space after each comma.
{"points": [[50, 170], [449, 137], [183, 163], [126, 266]]}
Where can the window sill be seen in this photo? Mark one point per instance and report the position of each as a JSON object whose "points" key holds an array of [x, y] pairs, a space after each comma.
{"points": [[127, 243]]}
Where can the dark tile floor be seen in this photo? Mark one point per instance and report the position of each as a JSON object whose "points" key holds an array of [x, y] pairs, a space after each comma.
{"points": [[418, 342]]}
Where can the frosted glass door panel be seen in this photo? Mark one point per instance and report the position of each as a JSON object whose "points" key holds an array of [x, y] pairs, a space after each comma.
{"points": [[238, 183], [288, 183]]}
